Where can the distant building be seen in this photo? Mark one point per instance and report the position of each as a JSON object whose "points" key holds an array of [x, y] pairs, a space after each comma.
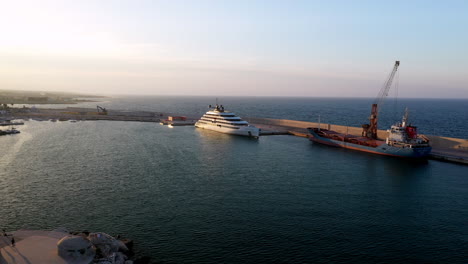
{"points": [[177, 118]]}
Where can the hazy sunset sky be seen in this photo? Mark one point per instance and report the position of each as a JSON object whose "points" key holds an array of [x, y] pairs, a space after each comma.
{"points": [[219, 48]]}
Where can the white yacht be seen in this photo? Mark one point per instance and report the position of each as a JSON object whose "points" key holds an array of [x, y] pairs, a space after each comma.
{"points": [[226, 122]]}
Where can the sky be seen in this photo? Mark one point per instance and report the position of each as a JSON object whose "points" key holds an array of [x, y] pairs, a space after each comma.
{"points": [[235, 48]]}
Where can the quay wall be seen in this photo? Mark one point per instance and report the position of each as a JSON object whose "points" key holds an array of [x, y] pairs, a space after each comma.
{"points": [[437, 142]]}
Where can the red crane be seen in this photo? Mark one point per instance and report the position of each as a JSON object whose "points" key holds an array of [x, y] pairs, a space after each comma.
{"points": [[370, 130]]}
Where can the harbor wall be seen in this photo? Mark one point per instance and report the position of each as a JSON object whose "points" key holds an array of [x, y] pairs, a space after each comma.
{"points": [[437, 142], [455, 146]]}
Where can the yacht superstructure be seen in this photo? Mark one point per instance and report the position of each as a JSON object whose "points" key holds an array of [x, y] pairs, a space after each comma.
{"points": [[226, 122]]}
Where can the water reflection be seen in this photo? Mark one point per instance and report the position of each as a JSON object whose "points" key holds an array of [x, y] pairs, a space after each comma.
{"points": [[199, 194]]}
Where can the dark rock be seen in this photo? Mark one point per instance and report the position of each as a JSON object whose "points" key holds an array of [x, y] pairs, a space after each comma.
{"points": [[128, 243], [143, 260]]}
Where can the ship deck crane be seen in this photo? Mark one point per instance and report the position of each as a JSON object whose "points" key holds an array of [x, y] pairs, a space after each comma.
{"points": [[370, 130]]}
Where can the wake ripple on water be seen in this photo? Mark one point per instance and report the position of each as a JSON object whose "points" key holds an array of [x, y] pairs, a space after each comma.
{"points": [[11, 147]]}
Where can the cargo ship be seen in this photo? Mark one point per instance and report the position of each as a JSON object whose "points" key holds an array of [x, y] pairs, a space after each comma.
{"points": [[402, 141]]}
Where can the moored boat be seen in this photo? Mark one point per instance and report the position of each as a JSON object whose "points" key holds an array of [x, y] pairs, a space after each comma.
{"points": [[402, 141], [9, 131], [217, 119]]}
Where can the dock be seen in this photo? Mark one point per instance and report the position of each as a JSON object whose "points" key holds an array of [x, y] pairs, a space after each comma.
{"points": [[11, 123], [443, 148]]}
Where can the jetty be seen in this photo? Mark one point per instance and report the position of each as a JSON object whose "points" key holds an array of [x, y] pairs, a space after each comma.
{"points": [[9, 123], [443, 148], [75, 113]]}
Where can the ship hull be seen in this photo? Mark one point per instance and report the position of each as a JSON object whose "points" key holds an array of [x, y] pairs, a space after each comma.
{"points": [[381, 149], [247, 131]]}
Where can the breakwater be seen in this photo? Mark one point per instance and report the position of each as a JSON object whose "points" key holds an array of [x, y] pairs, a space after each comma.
{"points": [[444, 148]]}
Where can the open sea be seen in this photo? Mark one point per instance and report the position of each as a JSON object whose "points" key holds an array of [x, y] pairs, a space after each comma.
{"points": [[188, 195]]}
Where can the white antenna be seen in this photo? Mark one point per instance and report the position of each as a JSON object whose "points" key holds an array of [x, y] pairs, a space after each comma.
{"points": [[405, 117], [319, 122]]}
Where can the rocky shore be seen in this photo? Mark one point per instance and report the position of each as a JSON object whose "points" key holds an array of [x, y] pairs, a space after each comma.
{"points": [[61, 246]]}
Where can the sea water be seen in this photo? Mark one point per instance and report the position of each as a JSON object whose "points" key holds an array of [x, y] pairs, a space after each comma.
{"points": [[188, 195]]}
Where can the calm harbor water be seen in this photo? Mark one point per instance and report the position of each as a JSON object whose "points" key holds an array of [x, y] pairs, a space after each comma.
{"points": [[187, 195]]}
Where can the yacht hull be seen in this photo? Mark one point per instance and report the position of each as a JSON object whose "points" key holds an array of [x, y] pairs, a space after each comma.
{"points": [[247, 131]]}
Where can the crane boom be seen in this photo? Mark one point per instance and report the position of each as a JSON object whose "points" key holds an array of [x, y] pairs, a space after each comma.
{"points": [[386, 87], [370, 130]]}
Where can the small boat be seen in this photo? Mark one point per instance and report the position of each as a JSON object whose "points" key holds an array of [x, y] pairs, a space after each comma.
{"points": [[11, 131], [14, 131]]}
